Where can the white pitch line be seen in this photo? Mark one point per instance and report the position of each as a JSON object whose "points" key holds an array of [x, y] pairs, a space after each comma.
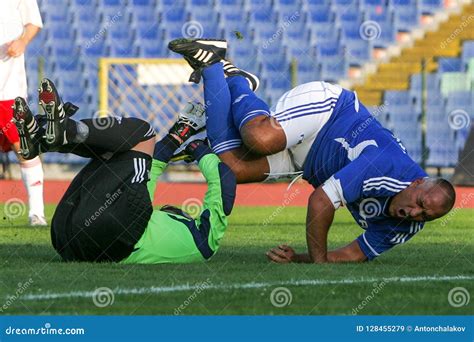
{"points": [[206, 285]]}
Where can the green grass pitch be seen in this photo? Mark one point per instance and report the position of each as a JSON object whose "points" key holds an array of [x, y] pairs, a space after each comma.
{"points": [[239, 279]]}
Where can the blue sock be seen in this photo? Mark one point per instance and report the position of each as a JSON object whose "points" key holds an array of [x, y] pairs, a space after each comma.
{"points": [[245, 104], [221, 132]]}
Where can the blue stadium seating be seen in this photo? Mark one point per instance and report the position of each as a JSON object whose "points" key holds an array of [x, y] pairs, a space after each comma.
{"points": [[323, 35], [450, 64]]}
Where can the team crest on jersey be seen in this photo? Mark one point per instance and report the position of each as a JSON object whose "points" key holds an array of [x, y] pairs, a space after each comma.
{"points": [[370, 207]]}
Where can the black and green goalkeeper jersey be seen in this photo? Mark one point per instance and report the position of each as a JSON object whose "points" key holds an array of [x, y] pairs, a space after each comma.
{"points": [[174, 238]]}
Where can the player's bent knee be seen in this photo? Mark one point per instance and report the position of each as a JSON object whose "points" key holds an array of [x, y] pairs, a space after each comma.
{"points": [[264, 136], [146, 147]]}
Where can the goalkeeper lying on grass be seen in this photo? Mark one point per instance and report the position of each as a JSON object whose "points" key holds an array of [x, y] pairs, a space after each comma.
{"points": [[106, 213]]}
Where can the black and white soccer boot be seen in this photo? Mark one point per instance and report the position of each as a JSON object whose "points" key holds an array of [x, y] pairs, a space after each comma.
{"points": [[199, 53], [56, 118], [29, 130], [232, 70]]}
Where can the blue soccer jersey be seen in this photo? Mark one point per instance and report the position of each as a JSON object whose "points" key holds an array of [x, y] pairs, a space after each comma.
{"points": [[362, 165]]}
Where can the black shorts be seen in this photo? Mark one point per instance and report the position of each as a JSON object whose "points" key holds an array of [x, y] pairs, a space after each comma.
{"points": [[105, 210]]}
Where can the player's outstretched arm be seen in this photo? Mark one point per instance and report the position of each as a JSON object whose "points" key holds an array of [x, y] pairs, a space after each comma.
{"points": [[319, 219]]}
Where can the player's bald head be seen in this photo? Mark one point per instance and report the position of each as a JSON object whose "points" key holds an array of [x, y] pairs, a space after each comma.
{"points": [[426, 199], [440, 192]]}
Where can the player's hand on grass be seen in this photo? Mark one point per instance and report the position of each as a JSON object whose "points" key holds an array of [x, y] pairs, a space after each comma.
{"points": [[282, 254], [16, 48]]}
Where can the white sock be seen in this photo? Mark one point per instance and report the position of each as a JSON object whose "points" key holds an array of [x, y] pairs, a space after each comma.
{"points": [[32, 175]]}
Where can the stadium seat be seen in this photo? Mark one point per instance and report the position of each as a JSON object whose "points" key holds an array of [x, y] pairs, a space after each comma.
{"points": [[323, 35], [174, 15], [454, 81], [460, 100], [58, 32], [143, 14], [142, 3], [346, 3], [402, 3], [229, 6], [320, 15], [149, 49], [446, 64], [397, 97], [85, 16], [467, 52], [277, 86], [430, 6], [312, 3], [242, 51], [264, 33], [357, 51], [470, 71], [349, 18], [288, 8], [406, 19], [60, 14], [83, 3]]}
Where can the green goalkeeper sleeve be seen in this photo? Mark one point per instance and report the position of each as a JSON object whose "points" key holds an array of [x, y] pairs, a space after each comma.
{"points": [[174, 237]]}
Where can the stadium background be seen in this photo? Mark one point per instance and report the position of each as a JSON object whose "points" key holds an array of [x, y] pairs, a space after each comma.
{"points": [[410, 61]]}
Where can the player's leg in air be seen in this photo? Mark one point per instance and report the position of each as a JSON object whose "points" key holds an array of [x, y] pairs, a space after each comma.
{"points": [[236, 115], [106, 213], [31, 170], [245, 160]]}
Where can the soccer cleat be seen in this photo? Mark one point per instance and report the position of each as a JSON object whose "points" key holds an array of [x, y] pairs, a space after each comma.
{"points": [[37, 221], [56, 117], [199, 53], [27, 127], [232, 70]]}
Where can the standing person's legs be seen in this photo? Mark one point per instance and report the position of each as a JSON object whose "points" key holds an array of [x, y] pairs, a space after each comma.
{"points": [[31, 170]]}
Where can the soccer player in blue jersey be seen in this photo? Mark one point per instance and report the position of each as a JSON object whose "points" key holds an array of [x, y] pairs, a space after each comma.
{"points": [[324, 132]]}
